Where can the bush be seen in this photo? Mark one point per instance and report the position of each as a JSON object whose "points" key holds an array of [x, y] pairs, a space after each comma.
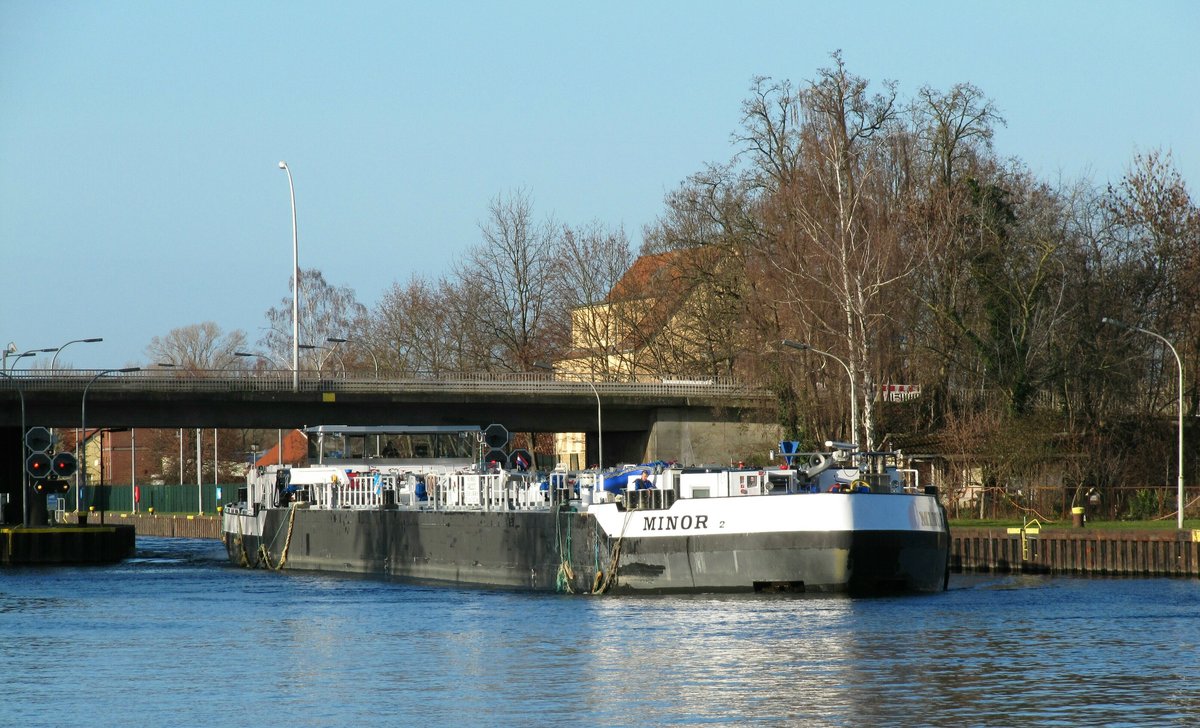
{"points": [[1142, 506]]}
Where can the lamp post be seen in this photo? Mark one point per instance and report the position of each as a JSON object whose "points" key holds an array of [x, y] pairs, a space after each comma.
{"points": [[321, 361], [54, 367], [853, 392], [171, 365], [54, 361], [374, 360], [24, 474], [30, 352], [199, 479], [82, 482], [1179, 365], [14, 357], [599, 422], [259, 356], [295, 285]]}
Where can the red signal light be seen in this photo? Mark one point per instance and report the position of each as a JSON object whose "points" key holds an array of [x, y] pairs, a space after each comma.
{"points": [[38, 465], [64, 464]]}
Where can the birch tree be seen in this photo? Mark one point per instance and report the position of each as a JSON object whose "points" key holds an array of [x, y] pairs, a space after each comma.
{"points": [[820, 148], [325, 311]]}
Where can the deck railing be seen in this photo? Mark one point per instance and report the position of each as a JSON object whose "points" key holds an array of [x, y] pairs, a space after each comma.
{"points": [[312, 381]]}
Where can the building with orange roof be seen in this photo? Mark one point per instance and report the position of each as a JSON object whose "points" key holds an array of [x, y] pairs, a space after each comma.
{"points": [[294, 451], [658, 319], [644, 324]]}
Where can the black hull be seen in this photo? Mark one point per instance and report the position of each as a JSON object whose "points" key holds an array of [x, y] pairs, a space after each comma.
{"points": [[568, 552]]}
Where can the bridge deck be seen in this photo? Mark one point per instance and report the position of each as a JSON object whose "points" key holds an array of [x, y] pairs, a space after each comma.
{"points": [[525, 401]]}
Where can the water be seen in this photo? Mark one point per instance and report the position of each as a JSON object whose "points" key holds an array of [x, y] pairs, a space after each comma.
{"points": [[177, 637]]}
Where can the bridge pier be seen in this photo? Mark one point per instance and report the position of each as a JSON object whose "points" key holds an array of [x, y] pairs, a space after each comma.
{"points": [[704, 437]]}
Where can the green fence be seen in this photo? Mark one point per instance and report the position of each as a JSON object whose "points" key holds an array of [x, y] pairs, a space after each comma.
{"points": [[162, 498]]}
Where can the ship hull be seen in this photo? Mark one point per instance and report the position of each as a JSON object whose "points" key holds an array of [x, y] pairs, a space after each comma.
{"points": [[614, 551]]}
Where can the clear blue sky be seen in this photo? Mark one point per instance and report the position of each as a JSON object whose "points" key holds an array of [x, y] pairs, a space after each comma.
{"points": [[139, 141]]}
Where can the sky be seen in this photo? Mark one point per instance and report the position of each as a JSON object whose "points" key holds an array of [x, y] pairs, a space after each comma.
{"points": [[140, 140]]}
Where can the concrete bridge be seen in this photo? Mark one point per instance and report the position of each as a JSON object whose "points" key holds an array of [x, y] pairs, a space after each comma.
{"points": [[691, 420]]}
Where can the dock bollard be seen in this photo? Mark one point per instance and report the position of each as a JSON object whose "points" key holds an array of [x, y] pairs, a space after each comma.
{"points": [[1077, 517]]}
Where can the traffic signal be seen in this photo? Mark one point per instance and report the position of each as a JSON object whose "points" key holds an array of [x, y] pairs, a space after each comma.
{"points": [[64, 464], [495, 436], [39, 465], [51, 485], [38, 439], [497, 456]]}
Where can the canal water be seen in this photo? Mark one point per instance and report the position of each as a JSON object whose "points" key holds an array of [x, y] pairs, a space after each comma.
{"points": [[177, 637]]}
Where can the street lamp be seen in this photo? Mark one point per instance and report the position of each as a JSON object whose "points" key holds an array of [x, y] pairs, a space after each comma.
{"points": [[1179, 364], [14, 357], [853, 393], [81, 483], [599, 423], [24, 474], [30, 352], [295, 285], [337, 340], [54, 361], [321, 361], [259, 356]]}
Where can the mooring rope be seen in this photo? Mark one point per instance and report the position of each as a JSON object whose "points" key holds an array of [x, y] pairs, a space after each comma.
{"points": [[244, 558], [287, 542], [565, 581], [605, 580]]}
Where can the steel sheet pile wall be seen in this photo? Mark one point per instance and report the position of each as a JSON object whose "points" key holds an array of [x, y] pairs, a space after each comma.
{"points": [[174, 526], [1076, 551]]}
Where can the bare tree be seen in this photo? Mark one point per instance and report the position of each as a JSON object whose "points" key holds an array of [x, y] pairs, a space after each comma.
{"points": [[954, 126], [1155, 216], [511, 276], [593, 259], [197, 347], [431, 328]]}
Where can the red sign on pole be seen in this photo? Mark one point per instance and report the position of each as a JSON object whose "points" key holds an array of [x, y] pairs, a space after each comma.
{"points": [[899, 392]]}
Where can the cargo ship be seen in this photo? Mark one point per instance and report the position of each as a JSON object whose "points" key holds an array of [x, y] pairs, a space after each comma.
{"points": [[433, 505]]}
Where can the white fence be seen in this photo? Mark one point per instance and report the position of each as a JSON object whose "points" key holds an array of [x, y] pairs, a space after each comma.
{"points": [[449, 491]]}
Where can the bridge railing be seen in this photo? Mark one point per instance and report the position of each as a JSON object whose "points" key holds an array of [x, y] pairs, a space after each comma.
{"points": [[312, 381]]}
